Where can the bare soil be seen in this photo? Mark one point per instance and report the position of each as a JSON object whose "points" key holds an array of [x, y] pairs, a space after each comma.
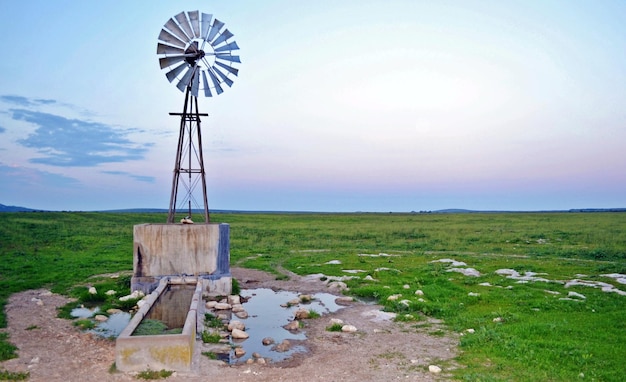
{"points": [[52, 349]]}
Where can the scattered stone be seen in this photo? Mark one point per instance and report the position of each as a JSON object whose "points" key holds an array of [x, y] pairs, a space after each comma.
{"points": [[333, 262], [419, 292], [337, 321], [434, 369], [344, 300], [100, 318], [210, 304], [282, 347], [256, 355], [348, 329], [485, 284], [222, 306], [110, 292], [453, 263], [237, 308], [305, 298], [234, 324], [239, 352], [473, 294], [239, 334], [135, 295], [466, 271], [406, 286], [293, 325], [114, 311], [301, 314], [37, 301], [470, 331], [337, 285], [268, 341], [353, 271], [369, 278], [234, 300], [92, 290], [576, 295], [394, 297], [293, 302], [498, 319], [242, 315], [260, 361]]}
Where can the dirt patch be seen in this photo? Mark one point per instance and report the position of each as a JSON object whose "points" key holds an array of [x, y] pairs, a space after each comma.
{"points": [[52, 349]]}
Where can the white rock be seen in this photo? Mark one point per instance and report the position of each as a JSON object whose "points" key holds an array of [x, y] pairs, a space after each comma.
{"points": [[394, 297], [337, 285], [434, 369], [497, 319], [576, 295], [473, 294], [239, 352], [92, 290], [241, 314], [210, 304], [369, 278], [333, 262], [235, 324], [470, 330], [419, 292], [136, 294], [239, 334], [222, 306], [100, 318], [465, 271], [336, 321], [234, 300], [348, 329], [37, 301], [406, 286]]}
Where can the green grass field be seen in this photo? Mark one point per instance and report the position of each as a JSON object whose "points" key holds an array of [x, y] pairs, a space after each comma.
{"points": [[522, 331]]}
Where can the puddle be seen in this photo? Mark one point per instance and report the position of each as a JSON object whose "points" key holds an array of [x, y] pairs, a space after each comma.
{"points": [[113, 326], [83, 312], [108, 329], [267, 318]]}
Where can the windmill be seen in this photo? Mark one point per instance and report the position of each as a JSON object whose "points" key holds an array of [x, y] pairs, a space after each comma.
{"points": [[197, 54]]}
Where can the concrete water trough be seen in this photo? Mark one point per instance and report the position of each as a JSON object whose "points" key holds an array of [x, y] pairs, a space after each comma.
{"points": [[164, 351]]}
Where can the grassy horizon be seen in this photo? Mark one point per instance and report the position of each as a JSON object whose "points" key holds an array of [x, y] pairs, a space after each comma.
{"points": [[522, 331]]}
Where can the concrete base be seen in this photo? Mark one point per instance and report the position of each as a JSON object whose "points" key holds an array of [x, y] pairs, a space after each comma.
{"points": [[199, 250]]}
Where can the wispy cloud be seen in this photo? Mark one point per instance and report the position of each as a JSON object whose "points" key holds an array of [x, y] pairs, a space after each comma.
{"points": [[141, 178], [73, 142], [26, 102], [19, 178], [2, 129]]}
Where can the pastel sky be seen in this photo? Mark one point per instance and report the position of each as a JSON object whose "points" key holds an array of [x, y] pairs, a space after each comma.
{"points": [[352, 105]]}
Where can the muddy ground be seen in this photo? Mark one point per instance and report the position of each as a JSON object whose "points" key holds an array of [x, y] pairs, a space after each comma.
{"points": [[52, 349]]}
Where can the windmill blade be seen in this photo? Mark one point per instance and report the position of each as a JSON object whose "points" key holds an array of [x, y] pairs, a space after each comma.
{"points": [[169, 38], [205, 83], [216, 82], [223, 37], [182, 84], [229, 68], [228, 47], [175, 29], [194, 19], [172, 74], [195, 84], [184, 23], [228, 57], [217, 25], [224, 77], [206, 25], [166, 49], [170, 60]]}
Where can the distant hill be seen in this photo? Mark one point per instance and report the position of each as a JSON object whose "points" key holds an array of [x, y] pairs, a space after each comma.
{"points": [[4, 208]]}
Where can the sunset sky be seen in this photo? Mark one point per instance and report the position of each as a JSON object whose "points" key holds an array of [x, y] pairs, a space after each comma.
{"points": [[351, 105]]}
